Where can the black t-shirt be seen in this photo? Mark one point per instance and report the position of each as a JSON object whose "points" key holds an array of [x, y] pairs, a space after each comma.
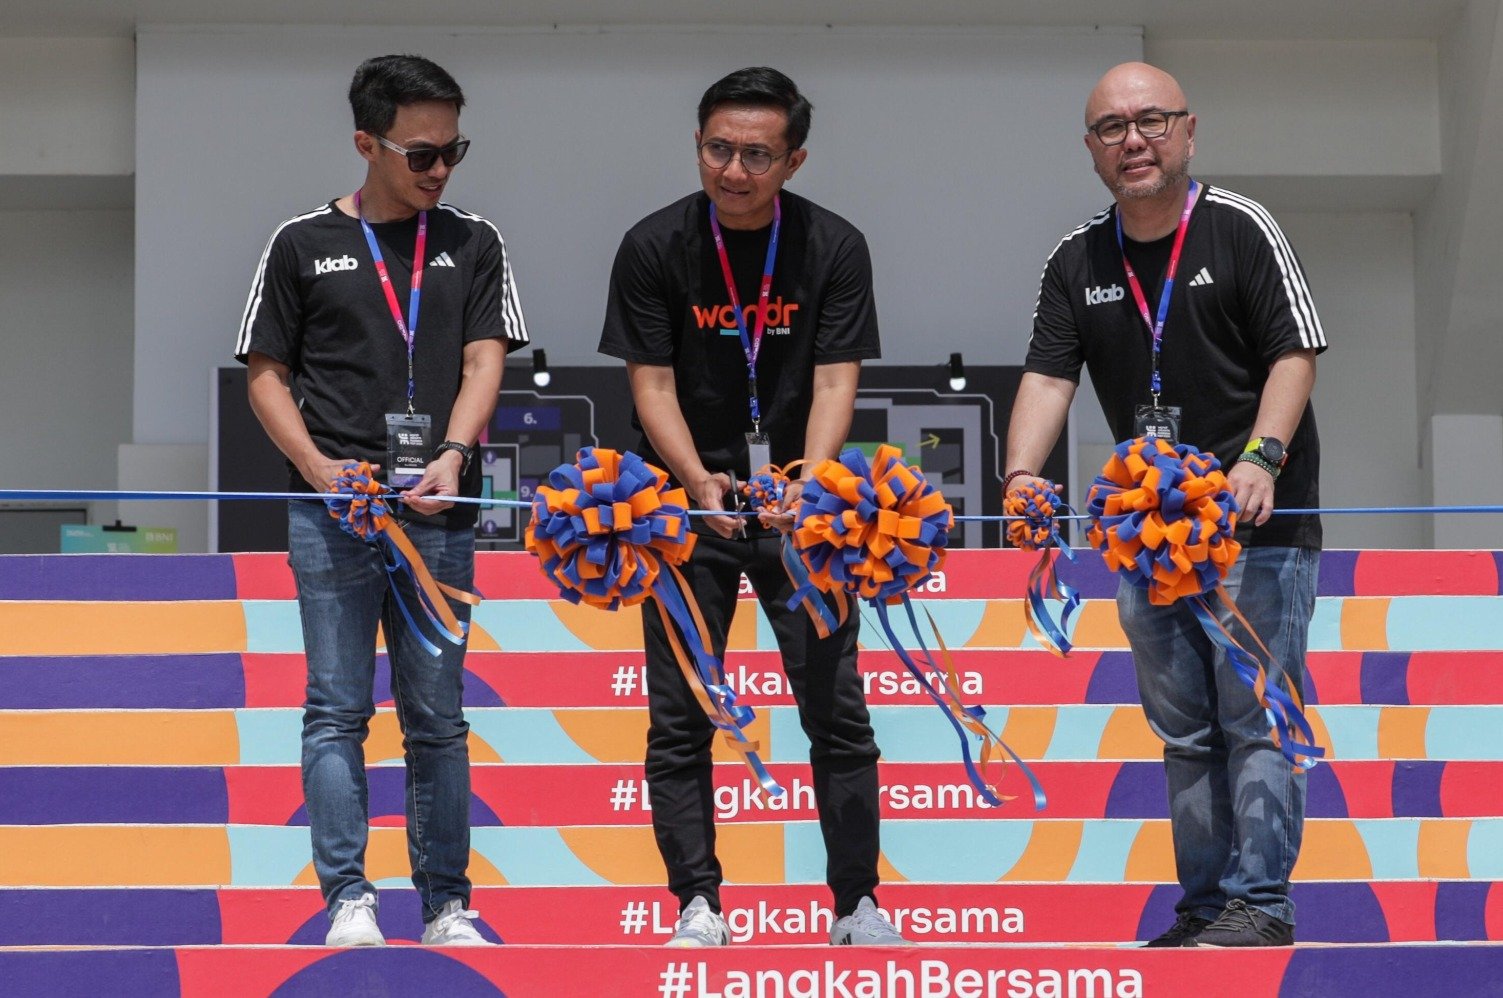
{"points": [[316, 305], [668, 306], [1240, 302]]}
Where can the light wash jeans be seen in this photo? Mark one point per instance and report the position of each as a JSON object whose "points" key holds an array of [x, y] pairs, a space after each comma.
{"points": [[1236, 806], [342, 594]]}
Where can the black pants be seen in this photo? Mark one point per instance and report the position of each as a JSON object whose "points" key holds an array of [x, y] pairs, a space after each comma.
{"points": [[826, 685]]}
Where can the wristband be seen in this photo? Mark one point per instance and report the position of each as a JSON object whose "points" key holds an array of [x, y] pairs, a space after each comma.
{"points": [[465, 453], [1016, 473], [1254, 458]]}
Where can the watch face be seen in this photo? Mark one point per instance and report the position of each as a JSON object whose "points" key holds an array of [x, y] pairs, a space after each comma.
{"points": [[1271, 450]]}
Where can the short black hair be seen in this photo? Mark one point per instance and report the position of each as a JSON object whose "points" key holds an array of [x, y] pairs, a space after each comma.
{"points": [[387, 82], [761, 86]]}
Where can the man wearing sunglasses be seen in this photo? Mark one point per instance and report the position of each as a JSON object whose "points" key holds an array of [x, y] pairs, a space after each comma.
{"points": [[1192, 313], [743, 313], [376, 330]]}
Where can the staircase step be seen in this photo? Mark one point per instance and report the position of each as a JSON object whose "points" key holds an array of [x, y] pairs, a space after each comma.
{"points": [[936, 850], [517, 794], [36, 627], [566, 971], [229, 680], [1019, 913], [515, 575], [536, 735]]}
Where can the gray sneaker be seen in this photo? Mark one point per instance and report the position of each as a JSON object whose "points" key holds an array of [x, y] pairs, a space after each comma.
{"points": [[866, 926], [452, 927], [699, 926]]}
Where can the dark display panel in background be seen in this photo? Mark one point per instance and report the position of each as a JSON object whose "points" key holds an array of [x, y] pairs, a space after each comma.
{"points": [[956, 438]]}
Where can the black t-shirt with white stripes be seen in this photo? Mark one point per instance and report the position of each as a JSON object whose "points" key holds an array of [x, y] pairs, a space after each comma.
{"points": [[316, 305], [1240, 302]]}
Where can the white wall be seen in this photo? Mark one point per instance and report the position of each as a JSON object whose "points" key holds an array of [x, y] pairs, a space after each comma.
{"points": [[67, 106], [1361, 271], [940, 144], [1287, 107], [65, 326]]}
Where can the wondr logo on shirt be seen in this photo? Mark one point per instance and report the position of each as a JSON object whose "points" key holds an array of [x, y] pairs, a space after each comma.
{"points": [[722, 318], [329, 263]]}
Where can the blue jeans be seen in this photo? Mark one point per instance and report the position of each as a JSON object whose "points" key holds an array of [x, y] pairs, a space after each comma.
{"points": [[342, 594], [1236, 806]]}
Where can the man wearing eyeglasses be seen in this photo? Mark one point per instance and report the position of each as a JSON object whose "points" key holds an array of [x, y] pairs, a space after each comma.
{"points": [[1192, 313], [390, 314], [743, 313]]}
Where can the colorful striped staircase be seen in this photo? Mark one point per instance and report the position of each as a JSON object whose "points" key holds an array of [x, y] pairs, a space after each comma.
{"points": [[153, 837]]}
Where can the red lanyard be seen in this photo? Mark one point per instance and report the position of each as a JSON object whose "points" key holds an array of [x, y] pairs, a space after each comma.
{"points": [[751, 344], [407, 327], [1157, 327]]}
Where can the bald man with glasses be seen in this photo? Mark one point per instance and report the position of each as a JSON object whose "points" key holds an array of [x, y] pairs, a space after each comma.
{"points": [[1192, 313]]}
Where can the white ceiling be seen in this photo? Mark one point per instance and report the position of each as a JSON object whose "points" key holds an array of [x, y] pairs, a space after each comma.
{"points": [[1159, 18]]}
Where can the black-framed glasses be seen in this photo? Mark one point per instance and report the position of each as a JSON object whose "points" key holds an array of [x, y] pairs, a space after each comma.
{"points": [[718, 156], [1150, 125], [421, 159]]}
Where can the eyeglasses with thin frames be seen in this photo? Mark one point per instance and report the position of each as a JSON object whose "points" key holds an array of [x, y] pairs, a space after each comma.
{"points": [[718, 156], [421, 159], [1150, 125]]}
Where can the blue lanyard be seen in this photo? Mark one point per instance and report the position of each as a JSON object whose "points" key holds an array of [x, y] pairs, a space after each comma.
{"points": [[751, 344], [1157, 327], [408, 329]]}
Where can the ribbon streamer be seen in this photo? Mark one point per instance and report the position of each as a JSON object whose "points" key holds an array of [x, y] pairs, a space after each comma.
{"points": [[359, 503], [1163, 518], [877, 531], [609, 532], [765, 490], [1035, 506]]}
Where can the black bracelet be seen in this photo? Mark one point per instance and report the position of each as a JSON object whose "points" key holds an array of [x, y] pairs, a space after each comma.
{"points": [[1254, 458], [1015, 473]]}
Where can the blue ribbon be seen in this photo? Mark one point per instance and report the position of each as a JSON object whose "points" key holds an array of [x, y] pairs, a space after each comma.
{"points": [[362, 512], [1282, 712]]}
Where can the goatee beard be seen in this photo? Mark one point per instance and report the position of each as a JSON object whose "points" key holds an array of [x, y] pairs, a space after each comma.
{"points": [[1166, 180]]}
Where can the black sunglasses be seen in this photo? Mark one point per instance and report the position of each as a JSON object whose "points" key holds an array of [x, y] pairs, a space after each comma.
{"points": [[421, 160]]}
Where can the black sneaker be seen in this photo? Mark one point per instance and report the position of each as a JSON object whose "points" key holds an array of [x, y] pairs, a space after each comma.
{"points": [[1240, 925], [1182, 933]]}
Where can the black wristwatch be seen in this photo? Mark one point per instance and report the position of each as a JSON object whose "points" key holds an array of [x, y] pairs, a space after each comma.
{"points": [[1270, 449], [465, 453]]}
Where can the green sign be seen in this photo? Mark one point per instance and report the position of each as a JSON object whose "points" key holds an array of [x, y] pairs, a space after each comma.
{"points": [[81, 539]]}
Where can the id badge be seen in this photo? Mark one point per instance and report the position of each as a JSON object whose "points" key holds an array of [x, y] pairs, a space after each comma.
{"points": [[409, 444], [1157, 422], [758, 452]]}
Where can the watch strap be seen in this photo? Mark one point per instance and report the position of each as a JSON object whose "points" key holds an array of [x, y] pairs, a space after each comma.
{"points": [[465, 453]]}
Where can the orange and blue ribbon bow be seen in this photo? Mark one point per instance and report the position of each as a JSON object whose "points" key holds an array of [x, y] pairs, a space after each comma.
{"points": [[765, 490], [1163, 518], [359, 503], [1036, 506], [609, 532], [877, 530]]}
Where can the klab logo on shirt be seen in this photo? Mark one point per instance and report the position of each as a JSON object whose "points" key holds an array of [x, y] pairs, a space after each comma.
{"points": [[722, 318], [332, 263], [1098, 294]]}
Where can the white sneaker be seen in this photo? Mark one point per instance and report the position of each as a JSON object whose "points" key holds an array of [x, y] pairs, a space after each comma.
{"points": [[452, 927], [699, 926], [355, 924], [866, 926]]}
